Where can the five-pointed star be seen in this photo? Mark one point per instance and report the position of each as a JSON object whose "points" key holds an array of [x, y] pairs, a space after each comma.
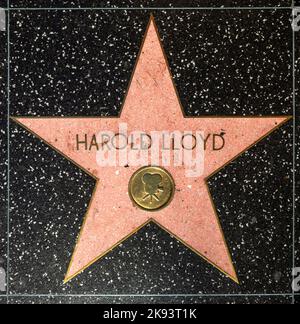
{"points": [[151, 104]]}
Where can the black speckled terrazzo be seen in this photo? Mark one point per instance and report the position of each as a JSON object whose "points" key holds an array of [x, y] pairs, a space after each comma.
{"points": [[150, 3], [224, 62], [219, 43], [3, 300], [297, 151], [3, 153], [153, 300]]}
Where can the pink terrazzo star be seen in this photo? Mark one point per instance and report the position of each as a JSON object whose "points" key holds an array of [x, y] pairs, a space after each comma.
{"points": [[151, 104]]}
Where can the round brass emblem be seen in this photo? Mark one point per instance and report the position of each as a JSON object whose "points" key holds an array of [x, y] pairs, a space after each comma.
{"points": [[151, 188]]}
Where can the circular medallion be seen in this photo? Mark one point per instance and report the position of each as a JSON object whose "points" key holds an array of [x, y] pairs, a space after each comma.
{"points": [[151, 188]]}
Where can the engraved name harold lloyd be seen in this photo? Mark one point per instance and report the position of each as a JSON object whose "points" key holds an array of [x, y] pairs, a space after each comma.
{"points": [[163, 148]]}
